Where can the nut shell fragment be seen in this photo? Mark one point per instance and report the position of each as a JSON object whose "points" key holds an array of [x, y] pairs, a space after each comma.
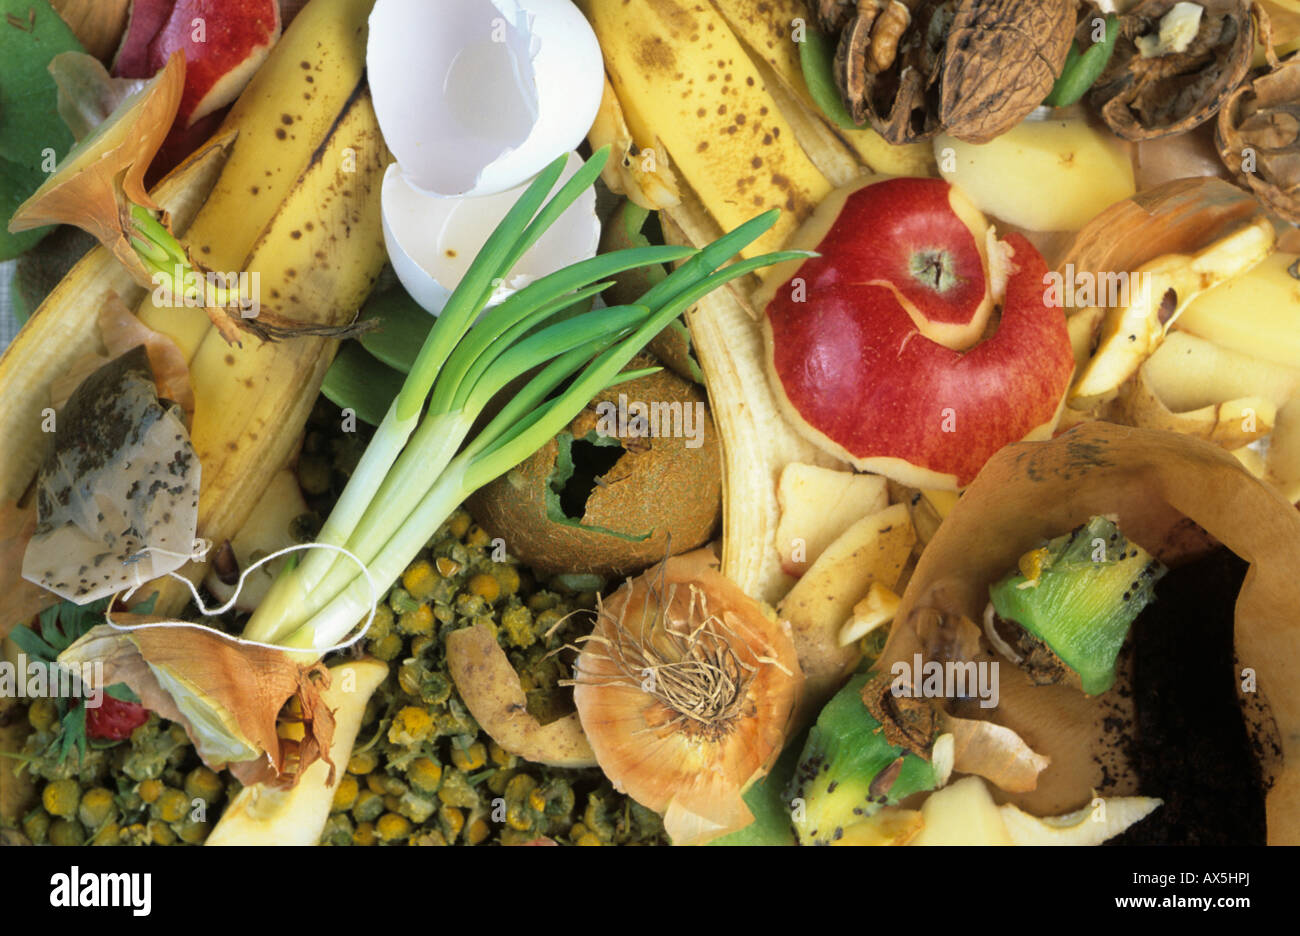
{"points": [[1258, 136], [1146, 96], [971, 69]]}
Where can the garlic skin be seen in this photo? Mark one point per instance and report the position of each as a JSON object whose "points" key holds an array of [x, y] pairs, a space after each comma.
{"points": [[475, 97], [431, 241]]}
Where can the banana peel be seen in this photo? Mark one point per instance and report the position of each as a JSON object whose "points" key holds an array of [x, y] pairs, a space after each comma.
{"points": [[318, 258], [758, 442], [684, 78], [282, 118], [637, 169], [772, 33]]}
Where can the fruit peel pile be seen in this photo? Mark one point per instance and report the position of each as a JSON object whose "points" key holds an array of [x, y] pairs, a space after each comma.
{"points": [[859, 398]]}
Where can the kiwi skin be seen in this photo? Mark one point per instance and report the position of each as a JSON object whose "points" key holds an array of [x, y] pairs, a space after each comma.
{"points": [[609, 506]]}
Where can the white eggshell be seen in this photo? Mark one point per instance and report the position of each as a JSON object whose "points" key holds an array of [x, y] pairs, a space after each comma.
{"points": [[432, 241], [475, 97]]}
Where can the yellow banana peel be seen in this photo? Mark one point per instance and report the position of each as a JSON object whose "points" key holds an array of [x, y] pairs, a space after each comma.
{"points": [[317, 260], [282, 117], [684, 79], [633, 168], [772, 30]]}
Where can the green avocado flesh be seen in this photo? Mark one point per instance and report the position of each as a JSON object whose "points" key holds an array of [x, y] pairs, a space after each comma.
{"points": [[1093, 583], [846, 750]]}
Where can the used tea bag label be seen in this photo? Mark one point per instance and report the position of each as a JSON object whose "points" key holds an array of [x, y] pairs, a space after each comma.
{"points": [[118, 492]]}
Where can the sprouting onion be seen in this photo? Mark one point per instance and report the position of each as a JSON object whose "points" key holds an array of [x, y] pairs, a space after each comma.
{"points": [[421, 463], [169, 265]]}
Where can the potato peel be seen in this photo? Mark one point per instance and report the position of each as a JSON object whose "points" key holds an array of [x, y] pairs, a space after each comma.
{"points": [[490, 688]]}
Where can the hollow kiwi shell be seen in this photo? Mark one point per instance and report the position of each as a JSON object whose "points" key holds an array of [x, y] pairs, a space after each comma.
{"points": [[588, 502]]}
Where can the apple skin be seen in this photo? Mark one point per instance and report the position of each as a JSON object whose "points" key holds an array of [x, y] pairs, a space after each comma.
{"points": [[857, 378], [237, 37], [906, 218]]}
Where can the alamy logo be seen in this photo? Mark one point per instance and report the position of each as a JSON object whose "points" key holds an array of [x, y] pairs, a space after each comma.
{"points": [[1083, 289], [931, 679], [36, 679], [640, 420], [103, 889]]}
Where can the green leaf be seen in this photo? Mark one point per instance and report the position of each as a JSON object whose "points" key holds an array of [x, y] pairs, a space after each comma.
{"points": [[361, 382], [122, 692], [17, 301], [49, 617], [816, 59], [31, 34], [16, 184], [30, 643], [73, 734], [767, 801], [405, 326]]}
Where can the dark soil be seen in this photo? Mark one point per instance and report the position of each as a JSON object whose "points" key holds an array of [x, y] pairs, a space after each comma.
{"points": [[1191, 747]]}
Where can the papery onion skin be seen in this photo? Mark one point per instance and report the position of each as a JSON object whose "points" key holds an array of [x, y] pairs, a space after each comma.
{"points": [[95, 194], [692, 772]]}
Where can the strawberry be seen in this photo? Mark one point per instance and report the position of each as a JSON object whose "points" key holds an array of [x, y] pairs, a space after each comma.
{"points": [[114, 720]]}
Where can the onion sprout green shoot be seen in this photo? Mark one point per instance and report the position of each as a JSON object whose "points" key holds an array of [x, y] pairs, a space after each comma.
{"points": [[422, 464], [169, 265]]}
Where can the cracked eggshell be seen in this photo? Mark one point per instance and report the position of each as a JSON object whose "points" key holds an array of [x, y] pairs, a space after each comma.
{"points": [[475, 97], [432, 241]]}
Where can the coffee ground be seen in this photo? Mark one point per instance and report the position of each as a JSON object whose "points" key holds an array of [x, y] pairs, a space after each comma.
{"points": [[1191, 747]]}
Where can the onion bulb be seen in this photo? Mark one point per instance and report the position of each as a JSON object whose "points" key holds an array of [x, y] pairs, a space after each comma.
{"points": [[685, 689]]}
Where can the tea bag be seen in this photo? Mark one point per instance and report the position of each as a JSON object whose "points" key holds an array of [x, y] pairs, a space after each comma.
{"points": [[118, 492]]}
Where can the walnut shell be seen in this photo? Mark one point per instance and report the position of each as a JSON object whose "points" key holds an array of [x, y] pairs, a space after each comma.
{"points": [[1143, 98], [1002, 59], [1258, 137], [970, 68]]}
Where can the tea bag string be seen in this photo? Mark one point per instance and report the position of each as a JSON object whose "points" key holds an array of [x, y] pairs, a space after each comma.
{"points": [[203, 609]]}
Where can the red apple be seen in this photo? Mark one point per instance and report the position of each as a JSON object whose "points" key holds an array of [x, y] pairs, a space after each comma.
{"points": [[224, 41], [886, 354]]}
